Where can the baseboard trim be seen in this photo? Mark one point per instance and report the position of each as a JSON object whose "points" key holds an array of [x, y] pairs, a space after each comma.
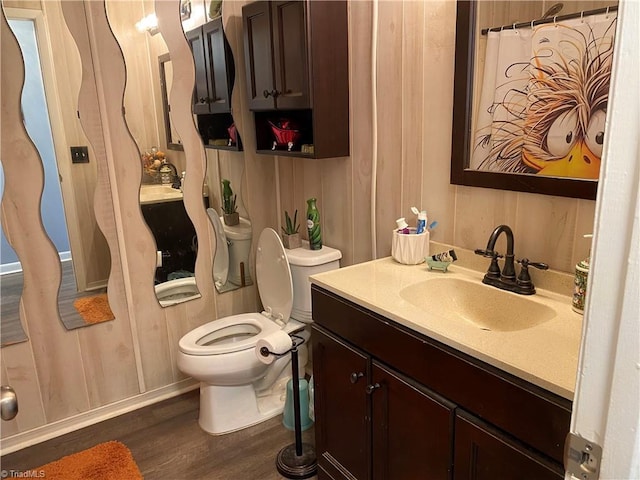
{"points": [[13, 267], [51, 430]]}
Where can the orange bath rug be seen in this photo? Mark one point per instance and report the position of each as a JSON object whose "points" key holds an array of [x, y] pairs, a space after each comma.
{"points": [[105, 461], [94, 309]]}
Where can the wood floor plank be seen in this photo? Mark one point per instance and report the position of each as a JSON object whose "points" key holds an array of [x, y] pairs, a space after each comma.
{"points": [[167, 443], [11, 290]]}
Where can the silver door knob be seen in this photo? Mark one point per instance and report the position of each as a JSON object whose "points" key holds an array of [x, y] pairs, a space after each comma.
{"points": [[8, 403]]}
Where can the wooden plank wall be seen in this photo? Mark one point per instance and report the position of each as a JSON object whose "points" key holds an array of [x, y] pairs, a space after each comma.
{"points": [[415, 49]]}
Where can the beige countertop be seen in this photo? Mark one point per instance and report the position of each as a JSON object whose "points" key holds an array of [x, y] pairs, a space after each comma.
{"points": [[159, 194], [545, 354]]}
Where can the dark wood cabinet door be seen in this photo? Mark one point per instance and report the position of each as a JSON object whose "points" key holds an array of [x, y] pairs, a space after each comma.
{"points": [[216, 54], [256, 19], [412, 429], [201, 88], [341, 408], [291, 69], [484, 453]]}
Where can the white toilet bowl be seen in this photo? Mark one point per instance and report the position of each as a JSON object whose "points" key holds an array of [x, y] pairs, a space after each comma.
{"points": [[223, 351], [177, 291], [237, 390]]}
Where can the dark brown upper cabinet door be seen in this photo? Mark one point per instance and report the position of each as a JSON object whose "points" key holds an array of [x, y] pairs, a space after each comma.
{"points": [[289, 33], [256, 18], [215, 50], [200, 90]]}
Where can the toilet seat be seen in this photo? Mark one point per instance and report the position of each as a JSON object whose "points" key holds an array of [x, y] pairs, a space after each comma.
{"points": [[221, 258], [177, 291], [242, 332], [227, 335], [273, 276]]}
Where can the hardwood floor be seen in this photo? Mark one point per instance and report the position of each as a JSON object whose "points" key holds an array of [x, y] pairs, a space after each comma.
{"points": [[167, 443], [11, 291]]}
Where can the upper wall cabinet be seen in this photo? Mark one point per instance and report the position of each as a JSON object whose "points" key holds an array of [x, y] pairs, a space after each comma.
{"points": [[297, 70], [278, 73], [215, 75], [214, 72]]}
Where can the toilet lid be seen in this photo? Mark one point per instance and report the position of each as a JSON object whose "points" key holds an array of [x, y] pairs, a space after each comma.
{"points": [[274, 276], [221, 258]]}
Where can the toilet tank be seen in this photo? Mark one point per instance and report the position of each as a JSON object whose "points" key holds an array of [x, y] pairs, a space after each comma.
{"points": [[303, 263]]}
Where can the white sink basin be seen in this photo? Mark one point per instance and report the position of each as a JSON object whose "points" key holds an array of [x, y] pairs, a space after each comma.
{"points": [[159, 194], [485, 307]]}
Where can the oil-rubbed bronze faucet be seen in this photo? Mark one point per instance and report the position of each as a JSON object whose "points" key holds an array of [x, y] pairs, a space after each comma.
{"points": [[505, 279]]}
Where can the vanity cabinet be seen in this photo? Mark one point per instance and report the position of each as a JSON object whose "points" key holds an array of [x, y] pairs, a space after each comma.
{"points": [[215, 76], [485, 453], [296, 59], [393, 403], [376, 423]]}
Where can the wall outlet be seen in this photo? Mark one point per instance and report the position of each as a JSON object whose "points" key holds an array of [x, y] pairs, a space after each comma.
{"points": [[79, 154]]}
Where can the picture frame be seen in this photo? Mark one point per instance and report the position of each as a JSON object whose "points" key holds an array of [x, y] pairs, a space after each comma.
{"points": [[462, 134], [185, 9]]}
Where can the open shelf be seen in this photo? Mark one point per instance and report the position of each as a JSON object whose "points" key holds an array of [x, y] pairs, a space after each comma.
{"points": [[214, 126]]}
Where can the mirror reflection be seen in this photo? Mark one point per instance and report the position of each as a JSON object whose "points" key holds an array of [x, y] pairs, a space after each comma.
{"points": [[166, 77], [149, 78], [212, 46], [11, 284], [67, 199]]}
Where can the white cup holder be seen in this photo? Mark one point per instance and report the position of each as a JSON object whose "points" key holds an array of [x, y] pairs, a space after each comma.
{"points": [[411, 248]]}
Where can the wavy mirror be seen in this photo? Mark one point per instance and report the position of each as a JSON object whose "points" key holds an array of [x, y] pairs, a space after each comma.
{"points": [[213, 45], [149, 77], [49, 106], [530, 98]]}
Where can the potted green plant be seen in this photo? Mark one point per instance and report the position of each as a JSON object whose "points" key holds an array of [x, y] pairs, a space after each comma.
{"points": [[229, 208], [290, 235]]}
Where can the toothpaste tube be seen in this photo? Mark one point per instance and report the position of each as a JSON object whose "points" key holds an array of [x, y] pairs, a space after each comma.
{"points": [[422, 222]]}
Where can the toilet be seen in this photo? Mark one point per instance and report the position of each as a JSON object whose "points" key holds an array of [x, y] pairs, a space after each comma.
{"points": [[185, 289], [239, 241], [221, 256], [236, 389], [177, 291]]}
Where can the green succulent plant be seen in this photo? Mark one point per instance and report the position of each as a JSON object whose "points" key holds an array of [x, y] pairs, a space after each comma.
{"points": [[291, 227], [228, 198]]}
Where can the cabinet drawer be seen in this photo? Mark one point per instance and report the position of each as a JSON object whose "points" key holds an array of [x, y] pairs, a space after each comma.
{"points": [[537, 417]]}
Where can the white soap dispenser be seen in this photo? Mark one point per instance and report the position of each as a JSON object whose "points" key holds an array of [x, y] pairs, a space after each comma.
{"points": [[580, 283]]}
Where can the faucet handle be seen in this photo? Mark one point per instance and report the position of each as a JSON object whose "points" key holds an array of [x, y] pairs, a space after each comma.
{"points": [[524, 280], [539, 265], [494, 268], [488, 253]]}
